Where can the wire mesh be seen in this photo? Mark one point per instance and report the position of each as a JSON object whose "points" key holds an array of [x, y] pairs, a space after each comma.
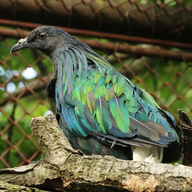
{"points": [[21, 87], [25, 74], [163, 19]]}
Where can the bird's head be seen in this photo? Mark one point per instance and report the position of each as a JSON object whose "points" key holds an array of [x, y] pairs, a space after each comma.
{"points": [[48, 39], [43, 38]]}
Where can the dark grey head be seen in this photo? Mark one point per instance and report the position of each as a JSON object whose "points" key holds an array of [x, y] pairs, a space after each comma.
{"points": [[46, 39], [51, 41]]}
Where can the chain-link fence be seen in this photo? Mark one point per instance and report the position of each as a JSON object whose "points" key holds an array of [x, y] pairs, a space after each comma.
{"points": [[156, 66]]}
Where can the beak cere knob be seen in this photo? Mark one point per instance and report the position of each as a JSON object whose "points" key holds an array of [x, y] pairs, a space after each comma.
{"points": [[22, 41], [22, 44]]}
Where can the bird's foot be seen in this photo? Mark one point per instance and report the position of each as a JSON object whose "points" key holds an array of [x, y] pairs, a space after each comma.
{"points": [[152, 159], [153, 154]]}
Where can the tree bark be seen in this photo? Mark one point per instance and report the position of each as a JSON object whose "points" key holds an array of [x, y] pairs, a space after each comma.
{"points": [[157, 20], [65, 169], [186, 126]]}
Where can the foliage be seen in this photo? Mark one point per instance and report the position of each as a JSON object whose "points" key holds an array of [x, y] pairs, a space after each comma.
{"points": [[26, 107]]}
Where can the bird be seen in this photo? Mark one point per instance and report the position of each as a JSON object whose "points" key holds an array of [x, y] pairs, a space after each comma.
{"points": [[99, 110]]}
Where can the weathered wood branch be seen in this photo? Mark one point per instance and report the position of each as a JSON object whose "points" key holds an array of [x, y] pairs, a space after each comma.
{"points": [[186, 126], [65, 169]]}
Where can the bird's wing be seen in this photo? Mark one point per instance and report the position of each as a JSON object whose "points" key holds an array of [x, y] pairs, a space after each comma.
{"points": [[97, 100]]}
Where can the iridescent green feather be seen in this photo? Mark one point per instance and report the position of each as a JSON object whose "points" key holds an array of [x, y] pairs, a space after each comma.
{"points": [[149, 99], [98, 115], [83, 95], [96, 92], [133, 102], [97, 77], [131, 108], [102, 89], [110, 93], [114, 79], [79, 109], [121, 85], [99, 61], [120, 114], [109, 76], [91, 101], [128, 92]]}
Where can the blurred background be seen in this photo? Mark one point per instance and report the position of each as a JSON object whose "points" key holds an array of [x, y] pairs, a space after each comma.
{"points": [[148, 41]]}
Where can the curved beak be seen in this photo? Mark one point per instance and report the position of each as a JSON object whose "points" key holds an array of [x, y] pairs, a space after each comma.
{"points": [[22, 44]]}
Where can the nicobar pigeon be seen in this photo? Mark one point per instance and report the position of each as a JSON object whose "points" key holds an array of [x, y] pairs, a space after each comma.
{"points": [[101, 111]]}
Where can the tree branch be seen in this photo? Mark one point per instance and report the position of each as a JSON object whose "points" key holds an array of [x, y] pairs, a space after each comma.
{"points": [[113, 36], [157, 20], [154, 52], [66, 169], [4, 186], [186, 126]]}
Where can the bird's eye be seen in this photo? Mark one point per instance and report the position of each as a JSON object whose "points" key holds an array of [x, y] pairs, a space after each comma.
{"points": [[42, 36]]}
